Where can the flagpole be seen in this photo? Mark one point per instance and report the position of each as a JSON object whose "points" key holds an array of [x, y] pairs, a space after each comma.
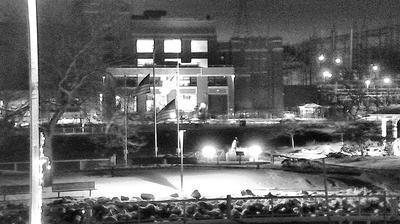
{"points": [[154, 107], [180, 148], [125, 125]]}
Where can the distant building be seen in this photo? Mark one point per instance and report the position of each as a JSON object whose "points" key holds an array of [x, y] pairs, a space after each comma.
{"points": [[258, 70], [338, 66], [352, 55]]}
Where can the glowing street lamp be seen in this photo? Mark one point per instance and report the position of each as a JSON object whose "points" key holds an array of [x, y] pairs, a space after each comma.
{"points": [[254, 152], [387, 80], [338, 61], [209, 152], [375, 68], [367, 83], [326, 75], [321, 57]]}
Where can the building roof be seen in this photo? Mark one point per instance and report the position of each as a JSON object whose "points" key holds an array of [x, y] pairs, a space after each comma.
{"points": [[171, 27]]}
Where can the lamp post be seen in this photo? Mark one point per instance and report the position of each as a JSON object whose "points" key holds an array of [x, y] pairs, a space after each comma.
{"points": [[367, 84], [387, 81], [35, 210]]}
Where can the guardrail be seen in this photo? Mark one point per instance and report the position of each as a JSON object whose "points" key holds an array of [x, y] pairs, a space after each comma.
{"points": [[77, 129], [74, 164]]}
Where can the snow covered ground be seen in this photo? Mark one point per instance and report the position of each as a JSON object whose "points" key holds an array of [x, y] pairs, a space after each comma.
{"points": [[211, 182]]}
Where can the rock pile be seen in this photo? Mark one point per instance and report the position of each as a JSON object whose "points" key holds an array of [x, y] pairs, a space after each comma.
{"points": [[91, 210]]}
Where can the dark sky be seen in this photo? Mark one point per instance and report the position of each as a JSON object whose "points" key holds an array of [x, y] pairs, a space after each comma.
{"points": [[294, 20]]}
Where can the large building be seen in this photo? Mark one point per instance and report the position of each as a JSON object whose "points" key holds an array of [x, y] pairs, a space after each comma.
{"points": [[164, 42]]}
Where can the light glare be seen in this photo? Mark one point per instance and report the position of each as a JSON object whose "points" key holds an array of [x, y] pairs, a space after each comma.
{"points": [[209, 151], [367, 82], [327, 74], [387, 80], [254, 152]]}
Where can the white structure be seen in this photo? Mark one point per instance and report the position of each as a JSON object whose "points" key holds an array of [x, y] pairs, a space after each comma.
{"points": [[212, 86], [310, 110]]}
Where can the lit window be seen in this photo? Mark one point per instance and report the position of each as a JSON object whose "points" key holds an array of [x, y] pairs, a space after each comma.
{"points": [[187, 102], [144, 45], [199, 46], [172, 46], [141, 62], [202, 62]]}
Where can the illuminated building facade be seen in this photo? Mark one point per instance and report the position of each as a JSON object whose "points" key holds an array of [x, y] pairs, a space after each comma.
{"points": [[164, 42]]}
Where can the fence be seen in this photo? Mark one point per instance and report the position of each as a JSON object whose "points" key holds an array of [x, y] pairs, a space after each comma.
{"points": [[58, 165], [381, 208], [78, 129]]}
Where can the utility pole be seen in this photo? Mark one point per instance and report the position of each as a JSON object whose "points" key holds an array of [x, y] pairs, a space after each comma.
{"points": [[351, 50], [35, 169]]}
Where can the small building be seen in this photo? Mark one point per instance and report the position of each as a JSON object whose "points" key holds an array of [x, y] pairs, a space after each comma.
{"points": [[311, 110]]}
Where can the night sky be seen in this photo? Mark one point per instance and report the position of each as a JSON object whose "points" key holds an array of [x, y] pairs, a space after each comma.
{"points": [[294, 20]]}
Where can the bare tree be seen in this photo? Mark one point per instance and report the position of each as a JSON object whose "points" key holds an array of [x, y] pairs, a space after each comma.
{"points": [[74, 55], [291, 128]]}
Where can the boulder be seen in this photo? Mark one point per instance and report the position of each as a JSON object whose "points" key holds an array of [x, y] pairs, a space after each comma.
{"points": [[196, 194], [249, 192], [173, 217], [149, 210], [147, 197], [191, 209], [124, 198], [222, 206], [174, 195], [112, 218]]}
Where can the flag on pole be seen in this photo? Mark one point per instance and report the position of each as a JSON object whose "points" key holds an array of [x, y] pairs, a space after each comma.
{"points": [[144, 86], [167, 113]]}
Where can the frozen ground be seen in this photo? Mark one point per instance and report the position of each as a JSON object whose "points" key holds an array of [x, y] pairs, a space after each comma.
{"points": [[211, 182]]}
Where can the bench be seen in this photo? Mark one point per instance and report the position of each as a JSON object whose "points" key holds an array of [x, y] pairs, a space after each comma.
{"points": [[74, 186], [13, 190]]}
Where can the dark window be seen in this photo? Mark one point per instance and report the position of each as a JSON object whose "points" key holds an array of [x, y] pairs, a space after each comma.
{"points": [[157, 83], [217, 81], [188, 81], [130, 82]]}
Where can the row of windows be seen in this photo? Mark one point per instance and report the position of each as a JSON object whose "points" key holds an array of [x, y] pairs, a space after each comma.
{"points": [[184, 81], [171, 46], [201, 62]]}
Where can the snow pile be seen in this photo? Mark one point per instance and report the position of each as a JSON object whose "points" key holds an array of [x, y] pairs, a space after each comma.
{"points": [[315, 151]]}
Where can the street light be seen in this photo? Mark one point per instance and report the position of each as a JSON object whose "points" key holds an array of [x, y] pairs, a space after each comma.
{"points": [[326, 75], [387, 80], [321, 57], [338, 61], [375, 68], [367, 83], [254, 152], [209, 152]]}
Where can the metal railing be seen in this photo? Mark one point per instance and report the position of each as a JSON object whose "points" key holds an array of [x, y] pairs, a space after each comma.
{"points": [[74, 164], [280, 209]]}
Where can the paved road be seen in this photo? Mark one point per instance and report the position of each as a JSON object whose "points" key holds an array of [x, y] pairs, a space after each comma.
{"points": [[211, 182]]}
